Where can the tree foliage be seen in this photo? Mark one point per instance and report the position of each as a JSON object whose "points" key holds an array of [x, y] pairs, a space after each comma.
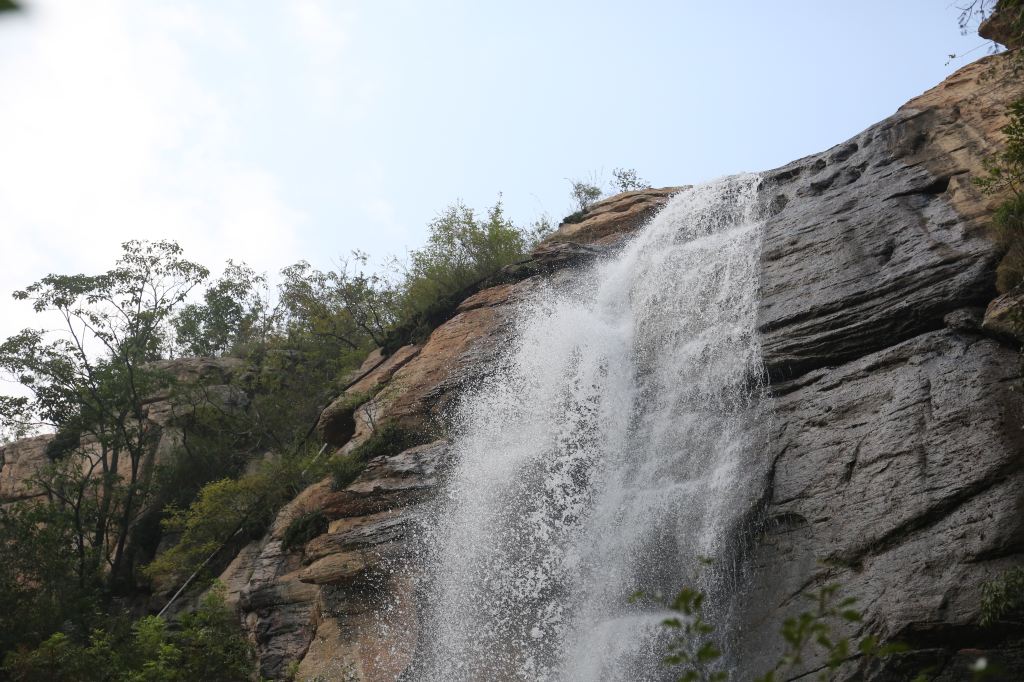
{"points": [[627, 180], [205, 645], [225, 509], [584, 194], [234, 455], [694, 654], [235, 311], [94, 380]]}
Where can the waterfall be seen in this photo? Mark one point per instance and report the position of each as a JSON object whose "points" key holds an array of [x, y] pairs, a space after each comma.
{"points": [[611, 450]]}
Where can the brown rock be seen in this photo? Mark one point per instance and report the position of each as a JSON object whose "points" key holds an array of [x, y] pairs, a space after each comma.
{"points": [[1005, 316], [383, 371], [337, 423], [488, 298], [1003, 26], [19, 462], [335, 568], [617, 215], [367, 635], [390, 483]]}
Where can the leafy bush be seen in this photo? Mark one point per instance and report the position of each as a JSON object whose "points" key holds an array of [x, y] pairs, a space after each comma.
{"points": [[575, 217], [460, 251], [226, 509], [1003, 597], [584, 194], [627, 180], [692, 650], [207, 645], [390, 439]]}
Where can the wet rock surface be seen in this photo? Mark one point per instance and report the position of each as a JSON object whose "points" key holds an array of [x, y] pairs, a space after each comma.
{"points": [[897, 476]]}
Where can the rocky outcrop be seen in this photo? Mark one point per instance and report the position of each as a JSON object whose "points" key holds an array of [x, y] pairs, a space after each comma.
{"points": [[19, 462], [895, 469], [1003, 25], [327, 605], [609, 220]]}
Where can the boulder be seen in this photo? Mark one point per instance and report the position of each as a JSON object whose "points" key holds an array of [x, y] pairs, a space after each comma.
{"points": [[1003, 26]]}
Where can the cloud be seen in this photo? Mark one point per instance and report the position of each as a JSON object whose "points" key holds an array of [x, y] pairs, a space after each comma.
{"points": [[110, 133]]}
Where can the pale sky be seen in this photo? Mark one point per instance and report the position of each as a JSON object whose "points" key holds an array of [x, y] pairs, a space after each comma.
{"points": [[275, 131]]}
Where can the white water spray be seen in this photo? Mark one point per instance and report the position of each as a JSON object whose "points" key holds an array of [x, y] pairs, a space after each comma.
{"points": [[607, 453]]}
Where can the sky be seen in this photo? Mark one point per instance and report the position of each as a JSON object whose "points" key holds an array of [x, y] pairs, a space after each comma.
{"points": [[278, 131]]}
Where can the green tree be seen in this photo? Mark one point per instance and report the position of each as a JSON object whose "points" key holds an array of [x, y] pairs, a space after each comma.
{"points": [[348, 305], [39, 587], [584, 194], [235, 311], [231, 508], [627, 180], [93, 379], [460, 251]]}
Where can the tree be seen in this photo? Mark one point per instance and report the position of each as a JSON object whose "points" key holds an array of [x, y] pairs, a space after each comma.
{"points": [[206, 645], [347, 305], [461, 250], [39, 588], [234, 312], [92, 381], [627, 180], [584, 194]]}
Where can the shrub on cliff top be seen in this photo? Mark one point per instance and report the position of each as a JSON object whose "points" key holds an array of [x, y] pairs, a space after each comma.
{"points": [[388, 440]]}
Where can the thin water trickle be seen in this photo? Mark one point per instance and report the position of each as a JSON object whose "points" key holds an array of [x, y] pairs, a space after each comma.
{"points": [[608, 453]]}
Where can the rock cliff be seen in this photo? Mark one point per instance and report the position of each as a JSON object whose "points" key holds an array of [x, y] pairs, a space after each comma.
{"points": [[895, 452]]}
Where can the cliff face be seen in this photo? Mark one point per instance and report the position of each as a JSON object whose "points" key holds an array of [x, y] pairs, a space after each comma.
{"points": [[899, 468], [895, 453]]}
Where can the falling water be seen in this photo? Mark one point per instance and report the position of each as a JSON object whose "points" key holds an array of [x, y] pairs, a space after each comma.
{"points": [[609, 452]]}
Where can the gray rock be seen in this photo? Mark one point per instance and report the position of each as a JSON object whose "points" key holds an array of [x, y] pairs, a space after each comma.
{"points": [[897, 476], [867, 251]]}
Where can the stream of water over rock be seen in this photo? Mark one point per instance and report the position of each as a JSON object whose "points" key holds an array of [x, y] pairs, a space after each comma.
{"points": [[612, 448]]}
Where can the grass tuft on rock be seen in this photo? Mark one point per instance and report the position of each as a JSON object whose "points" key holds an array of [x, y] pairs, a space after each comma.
{"points": [[304, 528]]}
